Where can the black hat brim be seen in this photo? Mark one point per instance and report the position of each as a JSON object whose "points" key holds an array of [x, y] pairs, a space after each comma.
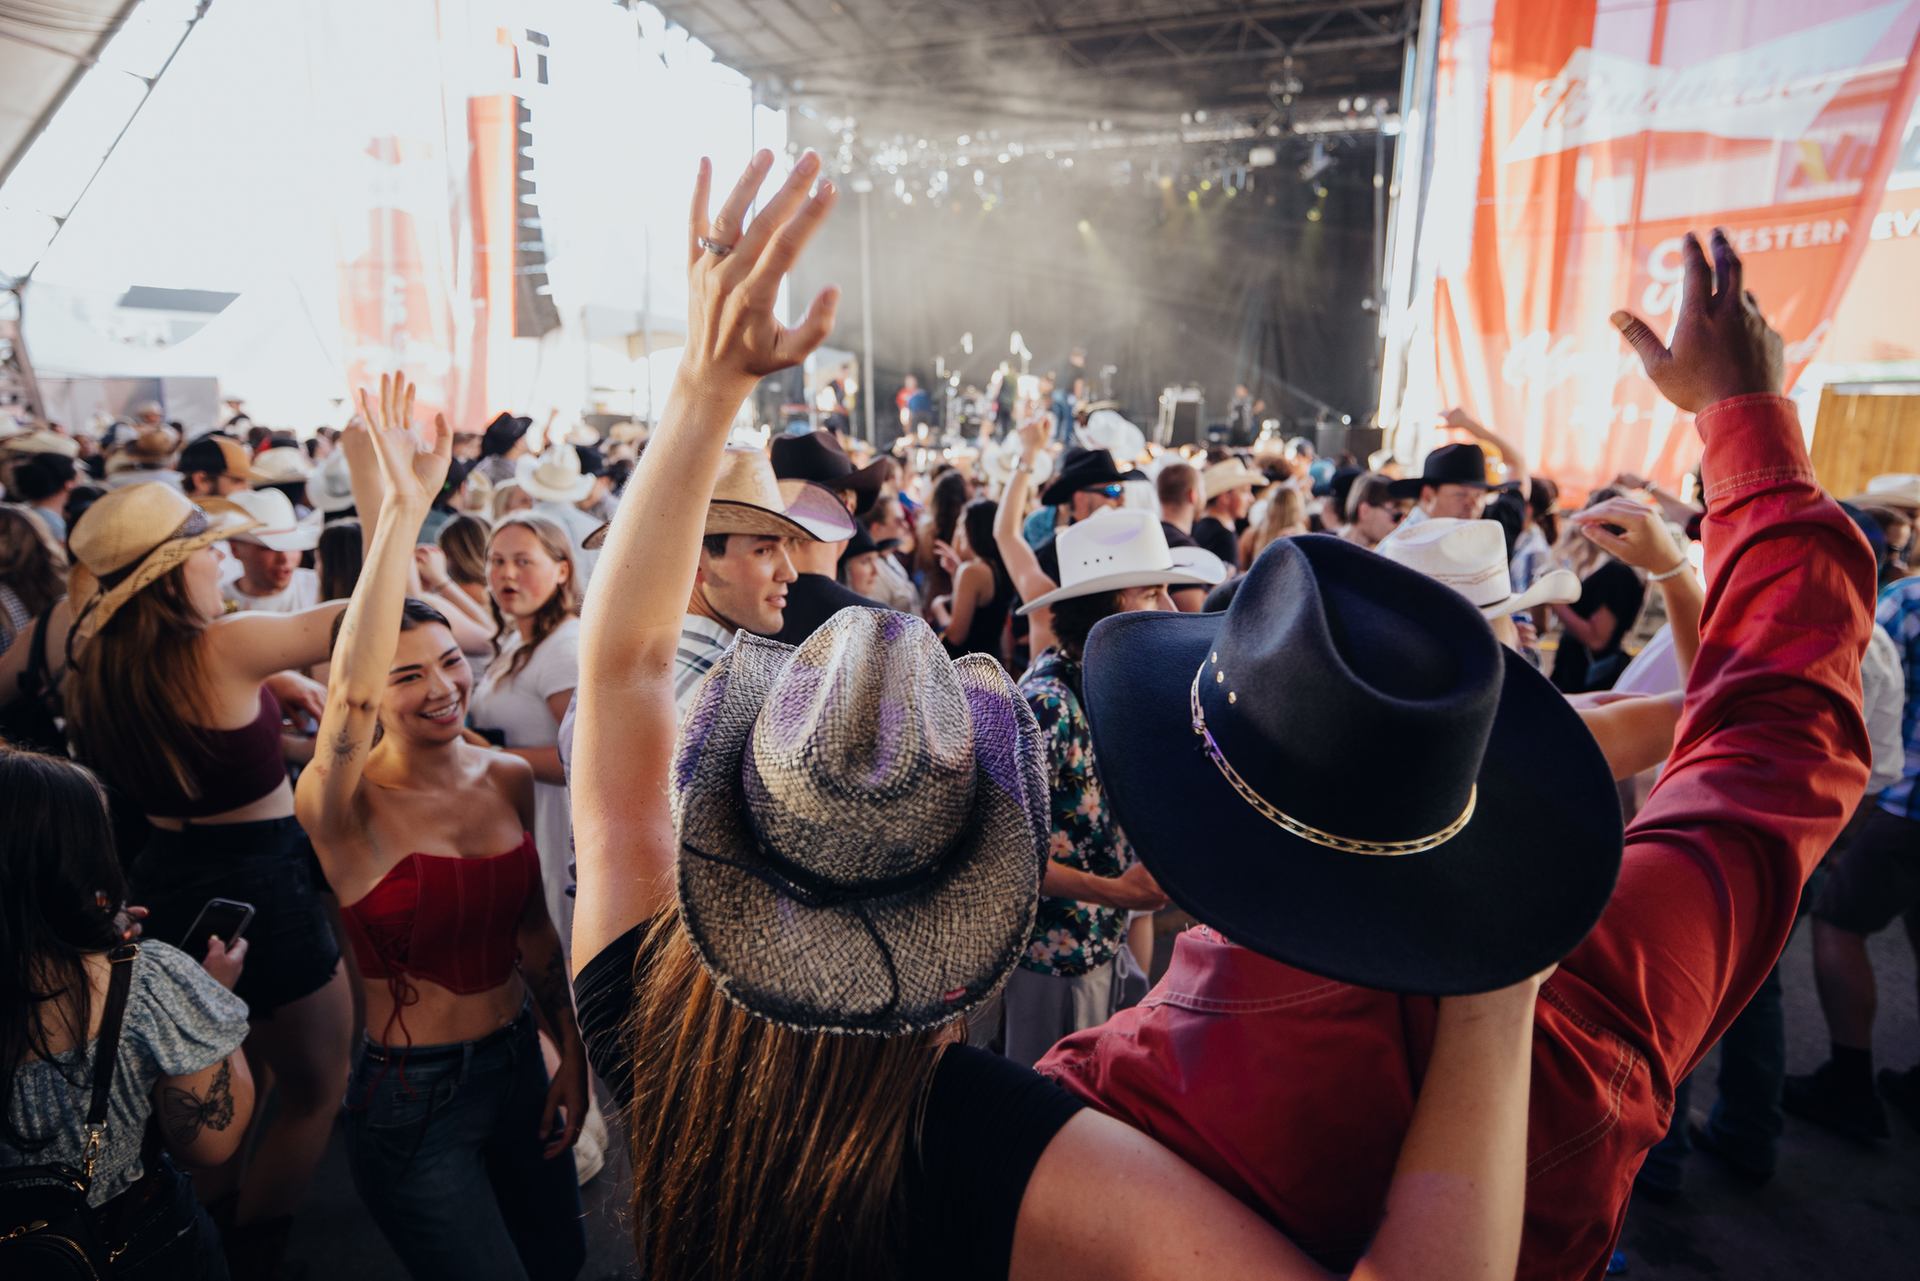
{"points": [[1062, 490], [1411, 487], [1515, 892]]}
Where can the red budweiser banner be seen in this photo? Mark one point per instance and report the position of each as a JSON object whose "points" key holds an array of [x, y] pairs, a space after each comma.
{"points": [[1572, 146]]}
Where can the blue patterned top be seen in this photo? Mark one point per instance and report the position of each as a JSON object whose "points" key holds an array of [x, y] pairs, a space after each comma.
{"points": [[1899, 614]]}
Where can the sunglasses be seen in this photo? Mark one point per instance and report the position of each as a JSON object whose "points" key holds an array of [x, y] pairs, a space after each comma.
{"points": [[1115, 490]]}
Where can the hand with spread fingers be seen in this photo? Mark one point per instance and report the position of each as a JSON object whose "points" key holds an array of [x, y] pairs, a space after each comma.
{"points": [[1722, 346], [734, 274], [411, 475]]}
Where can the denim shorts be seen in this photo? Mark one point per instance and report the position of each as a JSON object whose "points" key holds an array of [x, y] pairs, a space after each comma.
{"points": [[291, 949]]}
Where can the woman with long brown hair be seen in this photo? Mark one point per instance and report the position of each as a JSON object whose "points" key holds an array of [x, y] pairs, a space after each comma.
{"points": [[32, 569], [455, 1136], [786, 914], [168, 702]]}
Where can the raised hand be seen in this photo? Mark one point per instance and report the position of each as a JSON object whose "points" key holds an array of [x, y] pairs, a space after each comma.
{"points": [[411, 475], [1632, 532], [733, 338], [1722, 345], [1034, 434]]}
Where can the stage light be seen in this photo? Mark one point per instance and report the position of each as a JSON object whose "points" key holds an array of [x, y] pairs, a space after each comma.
{"points": [[1004, 157], [1346, 104], [861, 185], [1067, 163], [1263, 157], [1359, 104], [1201, 116], [1186, 117], [1193, 197], [963, 139], [1313, 215], [1166, 183], [1085, 226], [979, 177], [1319, 191], [906, 198], [1206, 184]]}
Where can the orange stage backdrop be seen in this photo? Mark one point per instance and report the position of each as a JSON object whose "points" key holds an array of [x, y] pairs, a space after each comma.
{"points": [[1574, 143]]}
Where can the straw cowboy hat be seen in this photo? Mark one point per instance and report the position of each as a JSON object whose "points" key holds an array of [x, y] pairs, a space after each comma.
{"points": [[1228, 475], [129, 539], [747, 500], [154, 447], [41, 441], [555, 475], [1115, 548], [1470, 556], [862, 824], [1423, 875], [274, 524]]}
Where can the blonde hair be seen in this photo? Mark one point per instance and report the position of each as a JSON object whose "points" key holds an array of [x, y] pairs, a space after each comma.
{"points": [[557, 608], [1286, 515]]}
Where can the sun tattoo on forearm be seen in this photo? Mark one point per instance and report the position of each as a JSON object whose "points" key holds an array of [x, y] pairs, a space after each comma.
{"points": [[185, 1113]]}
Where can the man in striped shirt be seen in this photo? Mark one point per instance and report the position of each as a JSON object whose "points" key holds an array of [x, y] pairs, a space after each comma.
{"points": [[1871, 883]]}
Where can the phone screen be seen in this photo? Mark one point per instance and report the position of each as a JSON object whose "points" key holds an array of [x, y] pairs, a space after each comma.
{"points": [[225, 917]]}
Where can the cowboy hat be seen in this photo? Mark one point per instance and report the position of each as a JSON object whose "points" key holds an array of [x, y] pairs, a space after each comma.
{"points": [[862, 825], [1085, 469], [1447, 465], [817, 507], [1470, 556], [1374, 773], [153, 446], [746, 500], [218, 455], [581, 434], [554, 476], [1115, 548], [1106, 429], [502, 434], [130, 538], [1895, 489], [274, 524], [282, 465], [41, 441], [817, 456], [1228, 475], [330, 488]]}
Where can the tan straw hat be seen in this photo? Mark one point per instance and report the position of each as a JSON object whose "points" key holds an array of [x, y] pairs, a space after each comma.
{"points": [[154, 447], [41, 441], [282, 465], [747, 500], [129, 539]]}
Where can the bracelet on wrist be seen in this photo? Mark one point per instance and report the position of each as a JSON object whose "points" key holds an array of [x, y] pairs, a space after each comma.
{"points": [[1675, 572]]}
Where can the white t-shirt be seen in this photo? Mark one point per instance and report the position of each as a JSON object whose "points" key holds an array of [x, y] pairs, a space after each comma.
{"points": [[302, 593]]}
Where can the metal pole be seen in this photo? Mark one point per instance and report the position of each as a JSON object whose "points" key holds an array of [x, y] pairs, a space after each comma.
{"points": [[867, 396]]}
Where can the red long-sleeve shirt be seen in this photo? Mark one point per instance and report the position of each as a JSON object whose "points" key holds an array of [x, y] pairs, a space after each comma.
{"points": [[1294, 1092]]}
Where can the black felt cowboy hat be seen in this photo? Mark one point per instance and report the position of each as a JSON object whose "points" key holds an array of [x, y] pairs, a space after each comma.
{"points": [[1085, 469], [1384, 794], [1447, 465], [502, 433], [817, 456]]}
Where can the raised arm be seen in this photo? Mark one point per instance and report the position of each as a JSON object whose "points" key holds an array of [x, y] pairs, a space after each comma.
{"points": [[1022, 565], [1771, 756], [370, 632], [624, 714], [1516, 462], [1637, 534], [253, 646]]}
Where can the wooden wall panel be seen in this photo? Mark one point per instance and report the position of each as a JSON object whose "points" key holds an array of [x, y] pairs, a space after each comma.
{"points": [[1864, 431]]}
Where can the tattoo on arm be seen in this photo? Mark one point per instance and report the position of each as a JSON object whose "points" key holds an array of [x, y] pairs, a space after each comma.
{"points": [[345, 746], [185, 1114], [551, 992]]}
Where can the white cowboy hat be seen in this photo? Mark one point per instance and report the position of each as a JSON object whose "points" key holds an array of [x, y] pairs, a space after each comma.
{"points": [[1106, 429], [281, 465], [1003, 456], [277, 526], [582, 434], [330, 488], [1470, 556], [554, 476], [41, 441], [1895, 489], [1114, 548], [1229, 475], [1198, 560]]}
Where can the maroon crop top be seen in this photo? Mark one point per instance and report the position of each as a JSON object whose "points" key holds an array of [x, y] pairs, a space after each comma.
{"points": [[231, 767], [451, 920]]}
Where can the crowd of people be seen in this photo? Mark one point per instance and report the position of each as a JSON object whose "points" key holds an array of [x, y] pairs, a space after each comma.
{"points": [[802, 818]]}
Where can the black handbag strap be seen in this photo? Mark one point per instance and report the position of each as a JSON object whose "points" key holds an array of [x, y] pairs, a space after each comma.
{"points": [[107, 1053], [37, 654]]}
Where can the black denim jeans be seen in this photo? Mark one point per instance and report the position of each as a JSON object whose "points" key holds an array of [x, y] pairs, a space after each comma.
{"points": [[445, 1147]]}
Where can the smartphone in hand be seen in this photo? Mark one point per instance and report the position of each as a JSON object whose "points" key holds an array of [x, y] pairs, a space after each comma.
{"points": [[228, 918]]}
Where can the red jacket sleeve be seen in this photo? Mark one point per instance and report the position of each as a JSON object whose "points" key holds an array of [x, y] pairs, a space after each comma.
{"points": [[1769, 760]]}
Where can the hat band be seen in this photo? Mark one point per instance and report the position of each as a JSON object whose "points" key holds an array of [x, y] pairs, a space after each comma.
{"points": [[195, 523], [1306, 831]]}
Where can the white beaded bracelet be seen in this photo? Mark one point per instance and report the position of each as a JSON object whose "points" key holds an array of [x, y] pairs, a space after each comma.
{"points": [[1675, 572]]}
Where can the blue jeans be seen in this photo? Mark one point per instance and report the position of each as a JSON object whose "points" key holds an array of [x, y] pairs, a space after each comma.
{"points": [[445, 1146], [1745, 1121]]}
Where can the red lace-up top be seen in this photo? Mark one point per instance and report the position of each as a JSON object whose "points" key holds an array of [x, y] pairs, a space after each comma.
{"points": [[453, 921]]}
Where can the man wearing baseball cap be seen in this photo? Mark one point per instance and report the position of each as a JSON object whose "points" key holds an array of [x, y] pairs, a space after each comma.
{"points": [[214, 466]]}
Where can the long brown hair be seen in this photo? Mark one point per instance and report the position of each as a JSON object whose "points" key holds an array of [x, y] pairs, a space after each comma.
{"points": [[759, 1151], [464, 541], [30, 561], [557, 608], [136, 691]]}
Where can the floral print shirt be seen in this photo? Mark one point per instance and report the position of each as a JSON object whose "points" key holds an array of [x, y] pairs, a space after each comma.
{"points": [[1070, 937]]}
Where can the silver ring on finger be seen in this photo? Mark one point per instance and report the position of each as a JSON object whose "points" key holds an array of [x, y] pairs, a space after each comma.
{"points": [[714, 247]]}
